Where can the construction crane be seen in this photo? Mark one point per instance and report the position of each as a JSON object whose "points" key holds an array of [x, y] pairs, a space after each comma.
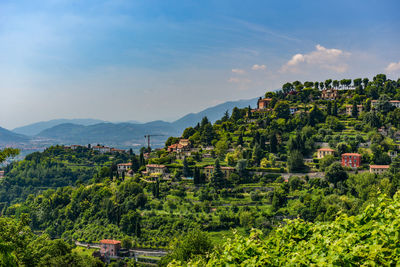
{"points": [[147, 136]]}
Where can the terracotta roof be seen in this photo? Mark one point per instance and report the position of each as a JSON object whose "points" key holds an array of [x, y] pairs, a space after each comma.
{"points": [[326, 149], [379, 166], [265, 99], [124, 164], [351, 154], [155, 166], [110, 241]]}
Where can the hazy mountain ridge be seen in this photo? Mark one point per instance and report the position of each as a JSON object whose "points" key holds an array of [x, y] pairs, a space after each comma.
{"points": [[122, 134], [7, 137], [35, 128]]}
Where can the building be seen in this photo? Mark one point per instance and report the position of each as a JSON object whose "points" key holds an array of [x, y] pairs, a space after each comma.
{"points": [[329, 94], [322, 152], [73, 147], [124, 167], [109, 247], [349, 109], [182, 145], [395, 103], [378, 169], [116, 150], [352, 160], [208, 171], [102, 149], [1, 174], [263, 103], [156, 169]]}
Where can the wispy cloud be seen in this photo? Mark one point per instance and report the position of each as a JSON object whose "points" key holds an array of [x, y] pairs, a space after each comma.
{"points": [[327, 58], [393, 67], [258, 67], [238, 71]]}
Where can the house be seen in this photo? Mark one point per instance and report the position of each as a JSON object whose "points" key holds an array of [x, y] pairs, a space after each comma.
{"points": [[102, 149], [395, 103], [182, 145], [116, 150], [73, 147], [349, 109], [392, 154], [322, 152], [378, 169], [263, 103], [352, 160], [293, 110], [329, 94], [109, 247], [208, 171], [124, 167], [1, 174], [156, 169]]}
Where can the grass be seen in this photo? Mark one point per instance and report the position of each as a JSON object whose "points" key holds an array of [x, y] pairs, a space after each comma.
{"points": [[84, 251]]}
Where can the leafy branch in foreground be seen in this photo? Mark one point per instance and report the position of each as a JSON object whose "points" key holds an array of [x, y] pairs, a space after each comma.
{"points": [[370, 238]]}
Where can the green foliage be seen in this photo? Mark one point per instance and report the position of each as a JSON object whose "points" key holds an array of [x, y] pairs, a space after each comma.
{"points": [[369, 238]]}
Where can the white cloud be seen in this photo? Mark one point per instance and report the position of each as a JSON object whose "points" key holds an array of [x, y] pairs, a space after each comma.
{"points": [[238, 71], [393, 67], [258, 67], [327, 58]]}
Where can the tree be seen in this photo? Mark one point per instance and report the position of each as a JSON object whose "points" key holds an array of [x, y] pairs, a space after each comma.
{"points": [[295, 161], [217, 178], [329, 108], [273, 143], [135, 163], [236, 114], [7, 153], [354, 110], [130, 223], [142, 161], [186, 168], [282, 110], [335, 173], [335, 109], [287, 88]]}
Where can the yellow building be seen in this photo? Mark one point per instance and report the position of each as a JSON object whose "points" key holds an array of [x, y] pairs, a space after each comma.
{"points": [[322, 152], [209, 170]]}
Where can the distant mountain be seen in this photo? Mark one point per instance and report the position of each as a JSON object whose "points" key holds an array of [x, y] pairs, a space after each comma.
{"points": [[8, 137], [213, 113], [115, 134], [129, 134], [36, 128]]}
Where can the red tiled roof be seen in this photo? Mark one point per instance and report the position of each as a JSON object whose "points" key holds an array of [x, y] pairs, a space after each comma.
{"points": [[326, 149], [155, 166], [110, 241], [379, 166], [351, 154], [124, 164]]}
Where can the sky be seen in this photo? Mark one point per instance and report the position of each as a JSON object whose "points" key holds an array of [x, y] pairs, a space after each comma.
{"points": [[120, 60]]}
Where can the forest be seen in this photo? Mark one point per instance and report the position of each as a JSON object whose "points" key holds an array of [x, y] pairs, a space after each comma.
{"points": [[269, 199]]}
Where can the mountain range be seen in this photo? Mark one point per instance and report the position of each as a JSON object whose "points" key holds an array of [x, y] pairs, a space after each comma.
{"points": [[123, 134]]}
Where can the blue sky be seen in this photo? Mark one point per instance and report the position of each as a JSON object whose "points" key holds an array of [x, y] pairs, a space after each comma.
{"points": [[145, 60]]}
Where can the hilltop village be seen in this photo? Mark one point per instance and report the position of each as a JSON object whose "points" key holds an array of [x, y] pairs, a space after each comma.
{"points": [[312, 155]]}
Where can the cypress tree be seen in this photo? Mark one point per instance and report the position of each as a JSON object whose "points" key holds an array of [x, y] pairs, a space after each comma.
{"points": [[354, 111], [335, 109]]}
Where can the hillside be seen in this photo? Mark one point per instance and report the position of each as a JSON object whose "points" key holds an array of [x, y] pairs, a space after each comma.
{"points": [[8, 137], [316, 152]]}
